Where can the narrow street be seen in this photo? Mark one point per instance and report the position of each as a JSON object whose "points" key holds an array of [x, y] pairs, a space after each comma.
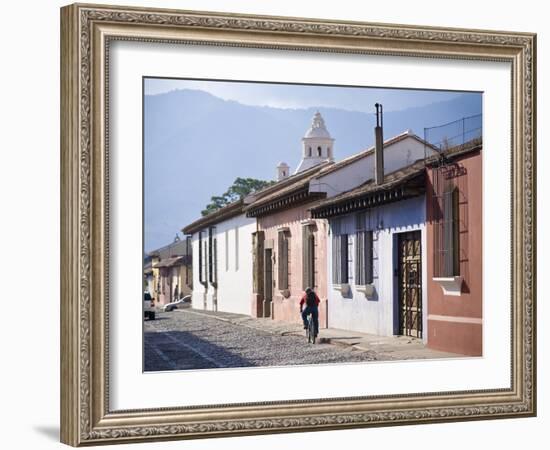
{"points": [[183, 340]]}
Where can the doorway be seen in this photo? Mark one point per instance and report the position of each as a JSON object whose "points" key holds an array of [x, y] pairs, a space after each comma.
{"points": [[409, 260], [268, 282]]}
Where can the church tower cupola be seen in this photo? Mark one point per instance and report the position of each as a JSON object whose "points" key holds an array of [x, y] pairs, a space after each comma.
{"points": [[283, 170], [317, 144]]}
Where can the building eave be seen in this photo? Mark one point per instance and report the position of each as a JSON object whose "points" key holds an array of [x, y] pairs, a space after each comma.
{"points": [[368, 200], [293, 198], [232, 210], [402, 184]]}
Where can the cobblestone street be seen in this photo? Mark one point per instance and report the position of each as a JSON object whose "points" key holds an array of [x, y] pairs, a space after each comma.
{"points": [[185, 340]]}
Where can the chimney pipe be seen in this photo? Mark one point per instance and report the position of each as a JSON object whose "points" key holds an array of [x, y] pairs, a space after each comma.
{"points": [[379, 145]]}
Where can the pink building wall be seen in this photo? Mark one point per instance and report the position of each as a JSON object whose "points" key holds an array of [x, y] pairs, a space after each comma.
{"points": [[288, 309], [455, 323]]}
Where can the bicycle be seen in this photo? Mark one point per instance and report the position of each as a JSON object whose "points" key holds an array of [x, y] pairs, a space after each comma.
{"points": [[310, 330]]}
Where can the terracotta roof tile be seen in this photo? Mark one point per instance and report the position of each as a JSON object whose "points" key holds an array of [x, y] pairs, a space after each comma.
{"points": [[231, 210], [397, 177]]}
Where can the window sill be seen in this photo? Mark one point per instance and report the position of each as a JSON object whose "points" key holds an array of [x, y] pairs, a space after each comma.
{"points": [[285, 293], [367, 289], [450, 285], [344, 288]]}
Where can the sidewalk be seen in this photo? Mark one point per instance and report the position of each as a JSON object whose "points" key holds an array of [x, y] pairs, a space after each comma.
{"points": [[387, 347]]}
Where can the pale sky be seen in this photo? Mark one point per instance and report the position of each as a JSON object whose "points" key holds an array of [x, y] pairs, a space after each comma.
{"points": [[296, 97]]}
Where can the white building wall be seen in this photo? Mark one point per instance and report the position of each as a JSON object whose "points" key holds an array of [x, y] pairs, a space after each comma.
{"points": [[235, 264], [377, 314], [198, 295], [150, 285], [233, 290], [396, 156]]}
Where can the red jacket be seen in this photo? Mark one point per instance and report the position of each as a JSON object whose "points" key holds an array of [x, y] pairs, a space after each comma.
{"points": [[304, 298]]}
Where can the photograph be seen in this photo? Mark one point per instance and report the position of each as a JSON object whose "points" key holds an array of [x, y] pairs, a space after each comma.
{"points": [[290, 224]]}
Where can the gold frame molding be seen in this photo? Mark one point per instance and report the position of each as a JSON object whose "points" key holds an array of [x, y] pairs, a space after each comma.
{"points": [[86, 31]]}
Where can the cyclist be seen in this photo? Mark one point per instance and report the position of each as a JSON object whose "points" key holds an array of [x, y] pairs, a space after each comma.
{"points": [[312, 307]]}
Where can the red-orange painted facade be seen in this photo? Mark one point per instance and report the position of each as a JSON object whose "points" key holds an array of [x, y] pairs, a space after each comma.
{"points": [[455, 322]]}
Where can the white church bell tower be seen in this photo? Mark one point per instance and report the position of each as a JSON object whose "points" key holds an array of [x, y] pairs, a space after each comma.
{"points": [[317, 145]]}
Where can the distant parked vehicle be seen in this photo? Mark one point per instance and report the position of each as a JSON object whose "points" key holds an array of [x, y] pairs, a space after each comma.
{"points": [[148, 309], [184, 302]]}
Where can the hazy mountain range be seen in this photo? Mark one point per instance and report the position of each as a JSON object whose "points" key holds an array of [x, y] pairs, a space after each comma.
{"points": [[196, 144]]}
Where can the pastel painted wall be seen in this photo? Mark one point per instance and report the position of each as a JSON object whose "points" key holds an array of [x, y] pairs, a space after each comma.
{"points": [[198, 295], [235, 264], [377, 314], [397, 155], [233, 289], [150, 284], [455, 323], [288, 309]]}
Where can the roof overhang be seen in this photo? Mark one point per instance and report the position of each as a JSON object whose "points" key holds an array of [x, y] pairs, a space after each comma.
{"points": [[370, 200], [293, 198], [227, 212], [407, 188]]}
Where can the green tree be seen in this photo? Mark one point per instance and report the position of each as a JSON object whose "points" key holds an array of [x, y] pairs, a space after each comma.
{"points": [[240, 188]]}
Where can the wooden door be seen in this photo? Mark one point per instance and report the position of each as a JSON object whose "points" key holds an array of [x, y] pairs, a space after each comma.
{"points": [[268, 282], [410, 284]]}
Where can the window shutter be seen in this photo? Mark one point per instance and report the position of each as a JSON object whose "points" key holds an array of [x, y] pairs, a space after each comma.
{"points": [[201, 279], [254, 261], [236, 248], [335, 259], [210, 257], [359, 258], [226, 250], [312, 259], [305, 257], [450, 231], [369, 276], [308, 258], [204, 261], [344, 258], [283, 260], [456, 232], [280, 259], [215, 262]]}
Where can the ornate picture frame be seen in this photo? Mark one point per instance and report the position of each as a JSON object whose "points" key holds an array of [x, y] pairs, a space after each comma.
{"points": [[87, 32]]}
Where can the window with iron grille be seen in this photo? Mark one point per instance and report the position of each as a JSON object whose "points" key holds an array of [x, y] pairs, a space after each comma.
{"points": [[258, 262], [363, 253], [204, 244], [226, 250], [212, 256], [446, 226], [340, 273], [282, 263], [201, 262], [188, 274], [308, 256], [236, 248]]}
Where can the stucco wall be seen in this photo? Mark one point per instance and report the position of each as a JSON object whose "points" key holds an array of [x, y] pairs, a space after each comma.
{"points": [[377, 314], [288, 309], [235, 280], [455, 322], [233, 289], [199, 290]]}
